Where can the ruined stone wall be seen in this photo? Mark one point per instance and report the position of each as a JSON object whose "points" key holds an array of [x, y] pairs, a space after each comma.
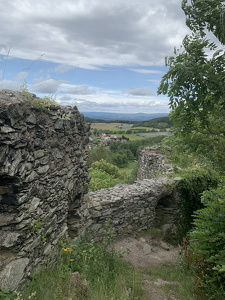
{"points": [[43, 177], [43, 187], [129, 208], [153, 161]]}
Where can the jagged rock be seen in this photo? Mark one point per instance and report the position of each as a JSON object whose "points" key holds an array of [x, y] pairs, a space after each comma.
{"points": [[13, 273], [34, 167]]}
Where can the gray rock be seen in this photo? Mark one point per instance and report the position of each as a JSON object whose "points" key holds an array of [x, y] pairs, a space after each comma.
{"points": [[12, 274], [31, 119], [147, 249], [33, 175], [9, 239], [43, 169]]}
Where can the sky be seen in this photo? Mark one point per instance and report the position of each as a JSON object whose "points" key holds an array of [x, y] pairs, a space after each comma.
{"points": [[98, 55]]}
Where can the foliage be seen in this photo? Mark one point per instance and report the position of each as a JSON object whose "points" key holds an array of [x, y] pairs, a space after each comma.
{"points": [[99, 153], [190, 189], [37, 225], [205, 252], [108, 168], [6, 294], [85, 270], [196, 148], [206, 14], [120, 159], [195, 86], [134, 146], [36, 102], [101, 179]]}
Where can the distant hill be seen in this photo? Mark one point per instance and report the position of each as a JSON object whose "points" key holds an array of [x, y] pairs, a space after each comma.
{"points": [[122, 117], [161, 123]]}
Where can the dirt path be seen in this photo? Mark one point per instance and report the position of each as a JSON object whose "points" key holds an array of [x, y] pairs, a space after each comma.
{"points": [[147, 251]]}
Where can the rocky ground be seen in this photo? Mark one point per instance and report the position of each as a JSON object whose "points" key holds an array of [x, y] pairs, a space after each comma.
{"points": [[146, 251]]}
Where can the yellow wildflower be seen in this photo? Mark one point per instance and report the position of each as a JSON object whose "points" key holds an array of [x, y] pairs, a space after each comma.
{"points": [[67, 249], [72, 259]]}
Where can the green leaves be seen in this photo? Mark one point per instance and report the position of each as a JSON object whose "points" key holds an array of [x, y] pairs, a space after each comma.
{"points": [[206, 14], [6, 294], [195, 86], [208, 238]]}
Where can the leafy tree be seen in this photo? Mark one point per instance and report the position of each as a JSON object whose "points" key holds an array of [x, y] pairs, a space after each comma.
{"points": [[206, 14], [120, 159], [111, 169], [196, 89], [100, 179], [195, 86], [99, 153]]}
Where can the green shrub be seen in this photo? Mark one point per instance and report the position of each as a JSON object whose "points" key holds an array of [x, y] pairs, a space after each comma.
{"points": [[100, 179], [108, 168], [120, 159], [206, 250], [190, 189], [99, 153]]}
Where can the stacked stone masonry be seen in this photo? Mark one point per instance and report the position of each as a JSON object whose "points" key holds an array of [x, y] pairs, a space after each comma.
{"points": [[128, 208], [43, 177], [153, 161], [44, 183]]}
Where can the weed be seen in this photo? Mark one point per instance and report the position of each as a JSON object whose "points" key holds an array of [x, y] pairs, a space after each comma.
{"points": [[6, 294], [36, 102], [86, 270], [37, 225]]}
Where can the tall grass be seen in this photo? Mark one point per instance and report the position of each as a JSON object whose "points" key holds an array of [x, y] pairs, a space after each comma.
{"points": [[85, 270]]}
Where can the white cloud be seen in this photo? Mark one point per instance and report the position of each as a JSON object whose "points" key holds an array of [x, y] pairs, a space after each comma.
{"points": [[49, 86], [92, 33], [14, 84], [151, 105], [77, 90], [116, 101], [146, 71], [62, 68], [144, 91]]}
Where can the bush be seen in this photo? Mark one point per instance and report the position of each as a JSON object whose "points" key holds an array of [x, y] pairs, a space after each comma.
{"points": [[190, 189], [101, 179], [99, 153], [207, 244], [108, 168], [120, 159]]}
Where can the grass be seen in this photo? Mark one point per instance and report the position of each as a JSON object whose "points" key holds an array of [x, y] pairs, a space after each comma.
{"points": [[152, 134], [107, 126], [130, 172], [85, 270], [178, 282]]}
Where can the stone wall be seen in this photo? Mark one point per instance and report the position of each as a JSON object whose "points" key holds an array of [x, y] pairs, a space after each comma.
{"points": [[43, 187], [153, 161], [129, 208], [43, 177]]}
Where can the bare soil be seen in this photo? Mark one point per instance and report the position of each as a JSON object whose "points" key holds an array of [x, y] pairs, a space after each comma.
{"points": [[147, 251]]}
